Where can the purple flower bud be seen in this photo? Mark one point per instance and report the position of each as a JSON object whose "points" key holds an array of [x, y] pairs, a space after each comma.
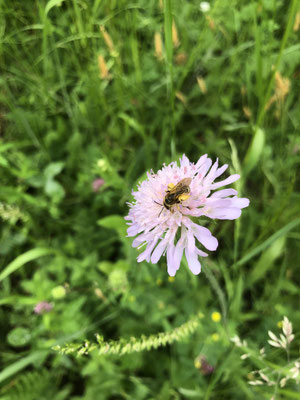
{"points": [[43, 307], [204, 367], [97, 183]]}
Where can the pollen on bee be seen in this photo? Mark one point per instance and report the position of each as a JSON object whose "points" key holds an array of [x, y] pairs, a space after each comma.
{"points": [[170, 186], [183, 196]]}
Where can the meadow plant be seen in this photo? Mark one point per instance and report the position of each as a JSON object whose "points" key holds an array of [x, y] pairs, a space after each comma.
{"points": [[272, 374], [93, 93], [43, 307]]}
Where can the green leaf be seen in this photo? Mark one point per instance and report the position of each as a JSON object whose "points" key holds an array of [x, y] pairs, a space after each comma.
{"points": [[53, 169], [288, 394], [266, 260], [54, 189], [254, 151], [133, 124], [51, 4], [24, 259], [21, 364], [115, 222], [19, 337], [288, 227]]}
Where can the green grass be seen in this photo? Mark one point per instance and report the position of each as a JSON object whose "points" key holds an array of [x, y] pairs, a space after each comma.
{"points": [[62, 126]]}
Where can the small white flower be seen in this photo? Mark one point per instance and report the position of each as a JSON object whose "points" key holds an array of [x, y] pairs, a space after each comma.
{"points": [[256, 383], [263, 376], [274, 344], [273, 336], [287, 327], [283, 381], [204, 6], [262, 352], [244, 356]]}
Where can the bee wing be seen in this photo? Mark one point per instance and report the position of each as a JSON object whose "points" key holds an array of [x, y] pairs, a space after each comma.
{"points": [[184, 182]]}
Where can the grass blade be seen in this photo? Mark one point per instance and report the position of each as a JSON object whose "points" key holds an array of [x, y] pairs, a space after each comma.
{"points": [[291, 225], [24, 259]]}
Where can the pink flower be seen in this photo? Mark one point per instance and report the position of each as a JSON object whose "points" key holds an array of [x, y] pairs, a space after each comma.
{"points": [[43, 307], [97, 183], [158, 228]]}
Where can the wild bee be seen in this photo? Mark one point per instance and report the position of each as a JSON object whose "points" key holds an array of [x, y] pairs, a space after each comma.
{"points": [[176, 194]]}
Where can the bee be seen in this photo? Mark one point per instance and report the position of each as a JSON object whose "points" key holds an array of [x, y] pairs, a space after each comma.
{"points": [[176, 194]]}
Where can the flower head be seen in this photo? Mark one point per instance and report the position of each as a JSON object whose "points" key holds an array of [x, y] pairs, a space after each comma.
{"points": [[97, 183], [43, 307], [160, 213], [203, 365]]}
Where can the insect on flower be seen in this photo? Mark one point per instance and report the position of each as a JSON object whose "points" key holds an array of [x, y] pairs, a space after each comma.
{"points": [[176, 194], [165, 203]]}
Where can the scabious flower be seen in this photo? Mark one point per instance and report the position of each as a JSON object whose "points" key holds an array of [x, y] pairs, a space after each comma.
{"points": [[158, 228], [43, 307]]}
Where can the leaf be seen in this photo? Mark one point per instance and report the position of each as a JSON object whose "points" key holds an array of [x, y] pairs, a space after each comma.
{"points": [[19, 336], [51, 4], [254, 151], [53, 169], [21, 364], [54, 189], [288, 394], [133, 124], [24, 259], [234, 156], [266, 260], [115, 222], [288, 227]]}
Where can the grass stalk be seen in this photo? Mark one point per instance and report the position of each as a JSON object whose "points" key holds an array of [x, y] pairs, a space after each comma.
{"points": [[291, 15], [169, 64]]}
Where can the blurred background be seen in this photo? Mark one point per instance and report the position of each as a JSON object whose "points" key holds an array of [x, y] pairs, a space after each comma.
{"points": [[92, 95]]}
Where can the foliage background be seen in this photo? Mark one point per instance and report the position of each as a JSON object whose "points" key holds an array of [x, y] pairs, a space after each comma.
{"points": [[108, 89]]}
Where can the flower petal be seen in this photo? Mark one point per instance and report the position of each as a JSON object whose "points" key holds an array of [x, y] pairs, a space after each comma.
{"points": [[223, 193], [193, 262], [157, 253], [145, 255], [205, 237], [225, 182], [211, 175], [221, 170], [177, 256], [224, 213]]}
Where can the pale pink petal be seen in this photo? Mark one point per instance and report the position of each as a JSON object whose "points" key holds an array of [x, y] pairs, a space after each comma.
{"points": [[178, 251], [227, 213], [172, 265], [147, 253], [226, 182], [193, 262], [205, 167], [211, 175], [184, 161], [223, 193], [201, 253], [133, 230], [157, 253], [221, 170], [200, 161], [205, 237], [241, 202]]}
